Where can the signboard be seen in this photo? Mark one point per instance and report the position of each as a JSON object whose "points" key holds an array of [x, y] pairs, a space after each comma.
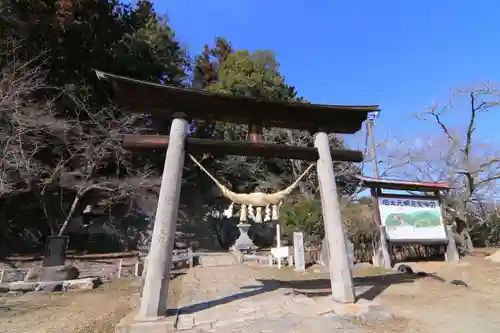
{"points": [[280, 252], [411, 219]]}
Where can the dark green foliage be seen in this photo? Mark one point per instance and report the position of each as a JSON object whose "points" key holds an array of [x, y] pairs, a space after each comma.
{"points": [[53, 106], [252, 74], [206, 70], [78, 36], [302, 215]]}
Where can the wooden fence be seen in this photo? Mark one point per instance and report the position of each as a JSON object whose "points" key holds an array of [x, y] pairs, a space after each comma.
{"points": [[118, 268]]}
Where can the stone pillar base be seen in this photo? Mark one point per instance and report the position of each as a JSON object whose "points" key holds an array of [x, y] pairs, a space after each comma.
{"points": [[132, 324], [243, 242]]}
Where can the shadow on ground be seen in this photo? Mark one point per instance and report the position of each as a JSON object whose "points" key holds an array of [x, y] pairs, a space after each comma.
{"points": [[309, 288]]}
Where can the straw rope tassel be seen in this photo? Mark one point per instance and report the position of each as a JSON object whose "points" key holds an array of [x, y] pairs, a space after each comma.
{"points": [[258, 215], [251, 214], [243, 213], [267, 216], [228, 213], [275, 214]]}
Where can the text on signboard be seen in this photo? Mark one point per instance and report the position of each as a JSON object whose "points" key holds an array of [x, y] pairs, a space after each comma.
{"points": [[408, 203]]}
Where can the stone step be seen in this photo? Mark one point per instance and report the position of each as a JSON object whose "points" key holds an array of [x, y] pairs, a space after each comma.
{"points": [[217, 259]]}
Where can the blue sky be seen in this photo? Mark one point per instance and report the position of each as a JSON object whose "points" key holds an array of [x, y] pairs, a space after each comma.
{"points": [[402, 55]]}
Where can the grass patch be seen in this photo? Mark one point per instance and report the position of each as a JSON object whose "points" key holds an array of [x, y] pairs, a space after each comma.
{"points": [[371, 271]]}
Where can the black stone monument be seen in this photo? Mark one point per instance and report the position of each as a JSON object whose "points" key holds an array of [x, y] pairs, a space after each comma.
{"points": [[55, 251]]}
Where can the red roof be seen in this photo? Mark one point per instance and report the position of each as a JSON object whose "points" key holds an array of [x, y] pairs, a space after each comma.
{"points": [[394, 184]]}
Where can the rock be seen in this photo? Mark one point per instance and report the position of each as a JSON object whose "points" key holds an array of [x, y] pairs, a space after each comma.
{"points": [[50, 287], [60, 273], [180, 246], [34, 274], [23, 286], [54, 286], [405, 269], [82, 284], [4, 288], [459, 283], [185, 322]]}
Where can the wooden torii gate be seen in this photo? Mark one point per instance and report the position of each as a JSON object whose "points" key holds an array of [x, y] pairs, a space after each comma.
{"points": [[183, 105]]}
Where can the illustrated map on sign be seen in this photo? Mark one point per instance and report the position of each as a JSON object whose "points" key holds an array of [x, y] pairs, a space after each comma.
{"points": [[420, 219]]}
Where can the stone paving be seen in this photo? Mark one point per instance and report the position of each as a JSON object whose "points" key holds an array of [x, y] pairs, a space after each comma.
{"points": [[226, 297], [223, 296]]}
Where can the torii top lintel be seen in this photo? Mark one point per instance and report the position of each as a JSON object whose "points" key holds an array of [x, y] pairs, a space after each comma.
{"points": [[163, 100]]}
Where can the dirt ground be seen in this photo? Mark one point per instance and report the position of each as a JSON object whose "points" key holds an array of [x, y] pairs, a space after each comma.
{"points": [[93, 311], [70, 312], [431, 304], [434, 305], [425, 305]]}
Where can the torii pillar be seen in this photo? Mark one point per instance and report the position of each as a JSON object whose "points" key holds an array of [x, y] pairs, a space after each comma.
{"points": [[338, 265], [159, 259]]}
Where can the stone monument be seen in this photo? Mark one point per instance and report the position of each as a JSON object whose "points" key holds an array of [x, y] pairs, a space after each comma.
{"points": [[298, 251]]}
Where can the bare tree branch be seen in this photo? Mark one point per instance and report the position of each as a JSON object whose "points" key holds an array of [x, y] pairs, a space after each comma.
{"points": [[458, 157], [43, 149]]}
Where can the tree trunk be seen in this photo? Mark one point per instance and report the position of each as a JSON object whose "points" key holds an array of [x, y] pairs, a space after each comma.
{"points": [[41, 200], [70, 213], [463, 233], [469, 246]]}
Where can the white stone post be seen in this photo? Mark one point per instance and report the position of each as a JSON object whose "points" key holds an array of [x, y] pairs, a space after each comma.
{"points": [[298, 252], [159, 260], [120, 268], [137, 267], [340, 272], [278, 235], [278, 242]]}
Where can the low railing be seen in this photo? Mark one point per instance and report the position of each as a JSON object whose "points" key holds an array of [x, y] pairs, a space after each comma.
{"points": [[312, 255], [179, 258], [118, 269], [13, 274]]}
